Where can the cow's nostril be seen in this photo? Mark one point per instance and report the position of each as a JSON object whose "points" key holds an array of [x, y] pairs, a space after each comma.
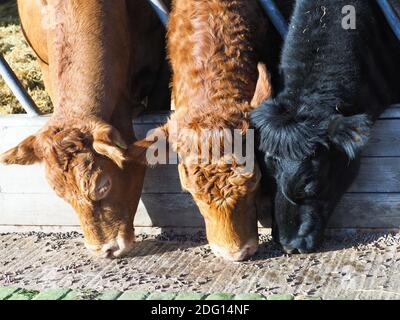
{"points": [[289, 250], [112, 250], [109, 254], [297, 246]]}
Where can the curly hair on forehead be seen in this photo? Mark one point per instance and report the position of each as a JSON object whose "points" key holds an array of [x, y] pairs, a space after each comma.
{"points": [[220, 184], [214, 176], [62, 144], [195, 137]]}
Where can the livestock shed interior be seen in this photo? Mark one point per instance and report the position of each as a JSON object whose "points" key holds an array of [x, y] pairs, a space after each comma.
{"points": [[26, 200]]}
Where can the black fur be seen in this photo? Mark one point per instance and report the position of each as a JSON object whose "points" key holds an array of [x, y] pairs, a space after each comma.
{"points": [[336, 82]]}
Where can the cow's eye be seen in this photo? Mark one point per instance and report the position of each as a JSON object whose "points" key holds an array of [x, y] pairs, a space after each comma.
{"points": [[271, 157]]}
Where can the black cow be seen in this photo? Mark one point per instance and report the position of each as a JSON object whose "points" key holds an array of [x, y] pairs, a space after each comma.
{"points": [[336, 83]]}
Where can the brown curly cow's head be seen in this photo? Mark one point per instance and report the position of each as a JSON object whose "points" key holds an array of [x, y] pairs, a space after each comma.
{"points": [[225, 195], [224, 187], [84, 164]]}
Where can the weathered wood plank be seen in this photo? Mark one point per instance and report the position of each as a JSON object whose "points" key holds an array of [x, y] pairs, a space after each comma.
{"points": [[392, 113], [151, 118], [380, 211], [166, 210], [35, 210], [380, 175], [376, 175], [143, 129], [384, 140], [14, 179], [367, 211], [26, 199]]}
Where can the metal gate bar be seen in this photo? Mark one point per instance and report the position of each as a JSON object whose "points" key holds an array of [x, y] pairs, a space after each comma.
{"points": [[161, 10], [276, 17], [16, 87], [391, 16]]}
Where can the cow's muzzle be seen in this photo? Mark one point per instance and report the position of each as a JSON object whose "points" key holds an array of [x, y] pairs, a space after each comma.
{"points": [[240, 254], [113, 249]]}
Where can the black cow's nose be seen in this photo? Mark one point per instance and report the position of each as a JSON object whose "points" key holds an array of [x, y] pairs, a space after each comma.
{"points": [[289, 250], [297, 245]]}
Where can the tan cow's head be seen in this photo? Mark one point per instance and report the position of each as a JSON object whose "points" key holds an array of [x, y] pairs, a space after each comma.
{"points": [[226, 197], [84, 164], [224, 189]]}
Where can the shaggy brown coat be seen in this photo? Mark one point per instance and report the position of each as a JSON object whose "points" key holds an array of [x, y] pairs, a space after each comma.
{"points": [[214, 50]]}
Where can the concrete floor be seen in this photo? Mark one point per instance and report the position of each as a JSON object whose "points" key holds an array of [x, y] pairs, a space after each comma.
{"points": [[350, 266]]}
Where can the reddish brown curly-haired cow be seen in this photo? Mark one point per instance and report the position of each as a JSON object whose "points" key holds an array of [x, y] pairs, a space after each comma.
{"points": [[213, 48]]}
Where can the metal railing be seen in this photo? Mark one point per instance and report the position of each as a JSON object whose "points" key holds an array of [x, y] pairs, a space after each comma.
{"points": [[17, 89], [391, 16], [275, 16], [161, 10]]}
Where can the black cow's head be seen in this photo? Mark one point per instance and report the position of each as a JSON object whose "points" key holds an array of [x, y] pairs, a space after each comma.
{"points": [[306, 154]]}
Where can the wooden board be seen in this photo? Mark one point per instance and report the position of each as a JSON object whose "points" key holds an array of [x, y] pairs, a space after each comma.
{"points": [[26, 200], [384, 140], [364, 211], [381, 175]]}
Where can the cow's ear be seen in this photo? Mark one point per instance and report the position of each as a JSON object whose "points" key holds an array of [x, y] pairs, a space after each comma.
{"points": [[26, 153], [263, 88], [350, 134], [153, 149], [108, 142]]}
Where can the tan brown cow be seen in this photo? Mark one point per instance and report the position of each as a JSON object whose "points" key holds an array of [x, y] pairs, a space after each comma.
{"points": [[214, 51], [99, 59]]}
